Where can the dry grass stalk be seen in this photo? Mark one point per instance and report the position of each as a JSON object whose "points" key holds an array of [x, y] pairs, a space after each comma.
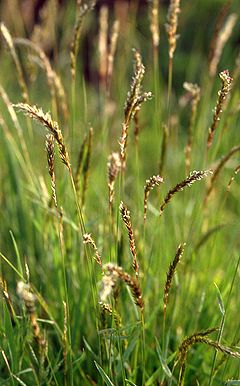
{"points": [[218, 26], [86, 165], [135, 98], [114, 167], [11, 110], [163, 148], [218, 169], [171, 270], [87, 239], [154, 23], [14, 118], [200, 337], [44, 31], [194, 90], [53, 80], [9, 41], [136, 127], [51, 166], [125, 213], [52, 126], [61, 95], [8, 301], [150, 184], [82, 9], [61, 230], [222, 95], [102, 45], [106, 309], [112, 274], [29, 300], [112, 51], [223, 36], [236, 171], [171, 26], [193, 177]]}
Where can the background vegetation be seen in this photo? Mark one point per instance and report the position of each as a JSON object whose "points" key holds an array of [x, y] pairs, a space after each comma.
{"points": [[53, 330]]}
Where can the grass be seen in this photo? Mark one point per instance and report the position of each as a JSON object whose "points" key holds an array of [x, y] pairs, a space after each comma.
{"points": [[99, 284]]}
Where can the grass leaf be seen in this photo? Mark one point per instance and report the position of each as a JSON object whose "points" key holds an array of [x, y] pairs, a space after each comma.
{"points": [[104, 376]]}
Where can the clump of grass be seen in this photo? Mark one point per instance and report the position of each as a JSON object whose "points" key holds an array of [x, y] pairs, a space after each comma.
{"points": [[222, 95], [191, 179], [171, 270], [82, 319]]}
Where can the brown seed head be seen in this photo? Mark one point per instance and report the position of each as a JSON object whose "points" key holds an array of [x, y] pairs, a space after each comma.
{"points": [[125, 213], [52, 126], [153, 181], [222, 95]]}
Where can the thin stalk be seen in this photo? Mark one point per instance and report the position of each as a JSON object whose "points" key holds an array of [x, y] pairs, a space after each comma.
{"points": [[223, 321], [143, 335], [170, 71]]}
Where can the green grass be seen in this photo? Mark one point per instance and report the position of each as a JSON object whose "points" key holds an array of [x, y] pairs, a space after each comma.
{"points": [[82, 348]]}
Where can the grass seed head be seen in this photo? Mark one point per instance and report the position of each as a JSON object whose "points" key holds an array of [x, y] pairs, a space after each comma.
{"points": [[154, 22], [172, 24], [87, 239], [51, 165], [114, 167], [125, 213], [150, 184], [222, 95], [171, 270], [222, 38], [52, 126], [113, 273], [190, 180]]}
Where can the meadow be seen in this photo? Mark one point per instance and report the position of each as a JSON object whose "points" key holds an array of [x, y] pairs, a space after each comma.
{"points": [[119, 199]]}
